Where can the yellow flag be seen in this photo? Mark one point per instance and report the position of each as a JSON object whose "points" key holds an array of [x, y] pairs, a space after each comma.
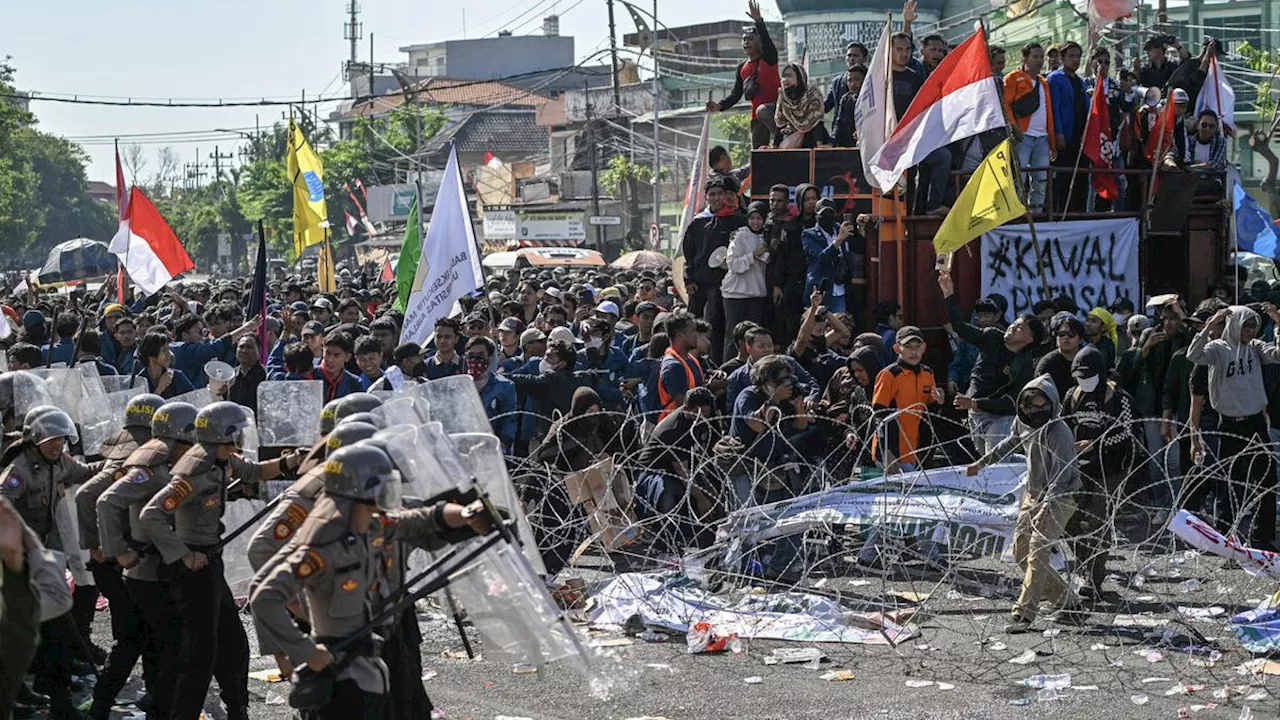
{"points": [[310, 216], [325, 278], [989, 200]]}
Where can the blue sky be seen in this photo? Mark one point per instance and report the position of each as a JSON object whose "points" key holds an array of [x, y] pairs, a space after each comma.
{"points": [[242, 49]]}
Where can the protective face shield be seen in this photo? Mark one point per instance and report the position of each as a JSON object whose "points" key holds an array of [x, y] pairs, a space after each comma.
{"points": [[400, 411], [49, 424], [363, 473], [226, 423]]}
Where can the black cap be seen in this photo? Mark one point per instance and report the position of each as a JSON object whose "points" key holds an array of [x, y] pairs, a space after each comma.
{"points": [[315, 327], [647, 306], [907, 333], [986, 304]]}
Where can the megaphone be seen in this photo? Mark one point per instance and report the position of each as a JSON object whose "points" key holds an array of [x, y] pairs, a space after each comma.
{"points": [[219, 374]]}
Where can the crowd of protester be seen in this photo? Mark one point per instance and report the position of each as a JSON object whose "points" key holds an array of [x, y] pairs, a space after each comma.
{"points": [[1047, 97]]}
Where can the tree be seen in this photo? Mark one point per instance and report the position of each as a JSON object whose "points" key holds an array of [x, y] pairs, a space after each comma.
{"points": [[1264, 61], [18, 180], [736, 128], [134, 160], [64, 209], [623, 178], [166, 174]]}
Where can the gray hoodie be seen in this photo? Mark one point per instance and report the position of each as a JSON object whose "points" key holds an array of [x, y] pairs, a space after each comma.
{"points": [[1050, 450], [1236, 387]]}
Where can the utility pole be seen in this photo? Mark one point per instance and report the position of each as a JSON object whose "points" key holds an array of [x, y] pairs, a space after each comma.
{"points": [[217, 159], [194, 173], [595, 171], [370, 66], [613, 57], [657, 199], [351, 32]]}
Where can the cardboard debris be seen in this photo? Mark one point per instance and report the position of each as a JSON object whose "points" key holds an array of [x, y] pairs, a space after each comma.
{"points": [[270, 676]]}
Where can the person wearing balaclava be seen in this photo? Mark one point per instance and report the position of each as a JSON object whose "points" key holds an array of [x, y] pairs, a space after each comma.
{"points": [[1101, 416], [1238, 394], [744, 287], [497, 393], [1048, 501], [828, 251]]}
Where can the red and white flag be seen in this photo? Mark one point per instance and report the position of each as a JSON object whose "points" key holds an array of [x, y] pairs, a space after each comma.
{"points": [[492, 160], [1105, 12], [351, 223], [147, 247], [958, 100], [1218, 95], [122, 208], [1099, 145]]}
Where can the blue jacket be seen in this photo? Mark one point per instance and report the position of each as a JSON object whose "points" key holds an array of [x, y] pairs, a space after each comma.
{"points": [[180, 385], [275, 361], [963, 358], [190, 357], [827, 264], [1062, 96], [125, 361], [341, 386], [499, 398], [59, 352], [528, 424], [612, 370]]}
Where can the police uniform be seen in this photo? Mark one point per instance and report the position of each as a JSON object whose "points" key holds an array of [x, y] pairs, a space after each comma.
{"points": [[35, 486], [128, 629], [342, 574], [213, 642], [278, 529], [144, 473]]}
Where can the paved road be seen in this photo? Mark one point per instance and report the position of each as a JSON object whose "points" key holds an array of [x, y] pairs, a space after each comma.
{"points": [[961, 643]]}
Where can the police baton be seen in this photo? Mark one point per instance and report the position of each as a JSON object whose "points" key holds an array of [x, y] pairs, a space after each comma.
{"points": [[247, 524]]}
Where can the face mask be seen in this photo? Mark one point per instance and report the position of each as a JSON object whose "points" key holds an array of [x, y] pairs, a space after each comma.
{"points": [[1036, 418], [827, 221], [1089, 384], [477, 368], [594, 343], [545, 366]]}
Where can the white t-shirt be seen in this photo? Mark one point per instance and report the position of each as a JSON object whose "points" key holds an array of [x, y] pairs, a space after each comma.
{"points": [[1038, 125], [1201, 152]]}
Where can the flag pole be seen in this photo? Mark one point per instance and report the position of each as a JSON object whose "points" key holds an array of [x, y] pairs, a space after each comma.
{"points": [[901, 235], [1071, 186], [1156, 159], [1018, 182]]}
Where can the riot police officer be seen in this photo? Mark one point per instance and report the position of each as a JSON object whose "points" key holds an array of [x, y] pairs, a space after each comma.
{"points": [[144, 473], [334, 412], [35, 482], [213, 642], [279, 526], [128, 631], [335, 563]]}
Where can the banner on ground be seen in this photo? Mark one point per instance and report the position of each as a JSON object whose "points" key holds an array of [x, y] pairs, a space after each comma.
{"points": [[1094, 262]]}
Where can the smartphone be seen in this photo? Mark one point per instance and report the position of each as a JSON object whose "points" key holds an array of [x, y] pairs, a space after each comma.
{"points": [[848, 217], [942, 262]]}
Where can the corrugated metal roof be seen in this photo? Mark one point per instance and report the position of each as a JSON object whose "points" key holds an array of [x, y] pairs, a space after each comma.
{"points": [[443, 91]]}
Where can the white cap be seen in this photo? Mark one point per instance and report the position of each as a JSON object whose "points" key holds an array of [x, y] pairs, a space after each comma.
{"points": [[610, 307], [564, 335], [1180, 96]]}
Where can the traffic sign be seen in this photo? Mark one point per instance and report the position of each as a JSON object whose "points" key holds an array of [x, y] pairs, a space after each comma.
{"points": [[604, 220]]}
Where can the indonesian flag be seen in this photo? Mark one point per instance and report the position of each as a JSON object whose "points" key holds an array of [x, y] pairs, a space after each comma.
{"points": [[1217, 95], [147, 247], [1099, 146], [388, 272], [1105, 12], [351, 223], [492, 160], [958, 100]]}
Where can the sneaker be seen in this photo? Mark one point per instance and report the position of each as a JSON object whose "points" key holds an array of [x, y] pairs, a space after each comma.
{"points": [[1016, 625]]}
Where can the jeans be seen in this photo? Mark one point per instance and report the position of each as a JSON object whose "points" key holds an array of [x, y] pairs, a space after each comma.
{"points": [[1034, 152], [737, 310], [988, 430], [1243, 444], [1162, 465]]}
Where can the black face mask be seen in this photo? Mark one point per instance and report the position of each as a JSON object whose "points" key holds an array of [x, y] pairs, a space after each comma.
{"points": [[827, 221], [1035, 417]]}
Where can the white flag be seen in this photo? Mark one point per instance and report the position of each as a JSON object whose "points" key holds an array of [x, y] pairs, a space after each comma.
{"points": [[875, 115], [1218, 96], [695, 193], [449, 267]]}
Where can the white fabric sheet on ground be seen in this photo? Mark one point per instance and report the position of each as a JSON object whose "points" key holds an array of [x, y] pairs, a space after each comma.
{"points": [[1200, 535], [675, 602]]}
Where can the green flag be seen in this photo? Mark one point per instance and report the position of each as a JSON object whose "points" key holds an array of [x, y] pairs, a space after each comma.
{"points": [[410, 253]]}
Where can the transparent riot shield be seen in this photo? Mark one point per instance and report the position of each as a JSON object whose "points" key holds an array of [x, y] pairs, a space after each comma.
{"points": [[509, 606], [199, 398], [29, 390], [67, 526], [116, 383], [402, 409], [455, 402], [110, 420], [483, 455], [426, 473], [235, 556], [249, 440], [289, 412]]}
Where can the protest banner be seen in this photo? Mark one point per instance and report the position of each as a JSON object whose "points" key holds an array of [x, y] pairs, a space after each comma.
{"points": [[1095, 262]]}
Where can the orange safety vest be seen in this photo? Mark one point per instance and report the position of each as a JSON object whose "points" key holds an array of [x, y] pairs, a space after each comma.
{"points": [[668, 402]]}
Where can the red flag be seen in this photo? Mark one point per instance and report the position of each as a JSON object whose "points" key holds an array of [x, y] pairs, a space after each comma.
{"points": [[1161, 137], [148, 247], [1099, 145], [388, 274], [351, 223], [122, 208]]}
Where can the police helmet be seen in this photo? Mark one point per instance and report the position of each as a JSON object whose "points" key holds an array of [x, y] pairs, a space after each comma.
{"points": [[138, 413], [327, 420], [348, 433], [362, 417], [222, 423], [356, 403], [48, 424], [362, 473], [175, 421]]}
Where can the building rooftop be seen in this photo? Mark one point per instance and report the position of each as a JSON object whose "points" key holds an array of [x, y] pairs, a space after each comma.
{"points": [[509, 133], [445, 91]]}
